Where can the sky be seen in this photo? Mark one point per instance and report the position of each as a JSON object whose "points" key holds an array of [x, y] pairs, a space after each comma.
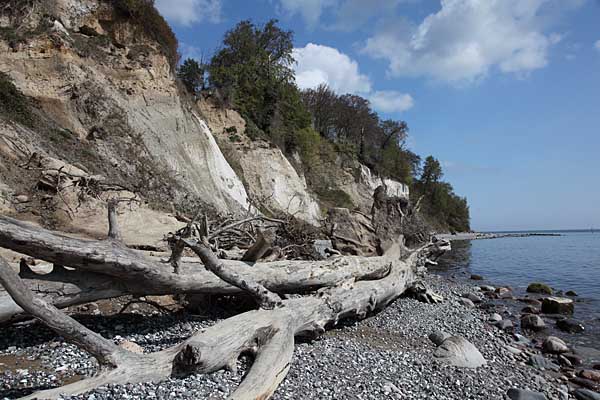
{"points": [[505, 93]]}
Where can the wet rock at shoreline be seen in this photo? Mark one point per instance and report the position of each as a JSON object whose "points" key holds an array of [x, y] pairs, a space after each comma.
{"points": [[557, 305], [530, 310], [570, 325], [505, 325], [495, 317], [573, 358], [521, 394], [540, 362], [586, 394], [532, 322], [486, 288], [476, 277], [459, 352], [540, 288], [532, 302], [504, 292], [586, 383], [571, 293], [554, 345], [590, 374]]}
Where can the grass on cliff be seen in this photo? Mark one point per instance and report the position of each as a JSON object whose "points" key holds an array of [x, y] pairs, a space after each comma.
{"points": [[14, 105]]}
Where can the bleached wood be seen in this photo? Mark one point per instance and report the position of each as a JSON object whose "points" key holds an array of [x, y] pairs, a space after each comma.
{"points": [[269, 334]]}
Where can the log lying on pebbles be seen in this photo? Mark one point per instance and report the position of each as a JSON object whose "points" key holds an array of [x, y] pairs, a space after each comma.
{"points": [[267, 333], [105, 269]]}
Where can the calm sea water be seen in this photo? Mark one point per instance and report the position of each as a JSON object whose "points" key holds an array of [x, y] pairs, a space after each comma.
{"points": [[567, 262]]}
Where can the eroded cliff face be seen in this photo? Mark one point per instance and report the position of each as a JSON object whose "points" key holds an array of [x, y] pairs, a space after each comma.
{"points": [[113, 105], [270, 179]]}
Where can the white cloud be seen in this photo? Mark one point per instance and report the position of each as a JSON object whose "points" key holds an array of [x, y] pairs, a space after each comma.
{"points": [[189, 51], [186, 12], [597, 45], [390, 101], [465, 39], [317, 64]]}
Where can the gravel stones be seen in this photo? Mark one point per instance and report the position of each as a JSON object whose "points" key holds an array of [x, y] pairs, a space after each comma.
{"points": [[521, 394], [356, 360], [459, 352]]}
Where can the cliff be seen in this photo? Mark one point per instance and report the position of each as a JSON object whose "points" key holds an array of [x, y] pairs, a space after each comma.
{"points": [[98, 93]]}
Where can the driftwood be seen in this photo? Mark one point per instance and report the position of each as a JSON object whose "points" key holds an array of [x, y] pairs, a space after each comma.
{"points": [[267, 334], [332, 290], [264, 241], [104, 270]]}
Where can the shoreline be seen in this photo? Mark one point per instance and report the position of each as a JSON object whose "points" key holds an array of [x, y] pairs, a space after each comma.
{"points": [[387, 355], [483, 235]]}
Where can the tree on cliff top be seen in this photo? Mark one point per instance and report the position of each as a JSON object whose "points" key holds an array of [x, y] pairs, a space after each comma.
{"points": [[254, 72], [191, 74], [440, 204]]}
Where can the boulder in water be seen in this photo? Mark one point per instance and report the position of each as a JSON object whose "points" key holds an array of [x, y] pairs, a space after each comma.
{"points": [[530, 310], [538, 287], [570, 325], [532, 322], [554, 345], [558, 305]]}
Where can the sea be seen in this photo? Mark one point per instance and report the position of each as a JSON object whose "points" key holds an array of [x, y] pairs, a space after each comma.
{"points": [[570, 261]]}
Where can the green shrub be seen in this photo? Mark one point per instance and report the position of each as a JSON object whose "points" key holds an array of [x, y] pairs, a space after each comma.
{"points": [[14, 105], [335, 197]]}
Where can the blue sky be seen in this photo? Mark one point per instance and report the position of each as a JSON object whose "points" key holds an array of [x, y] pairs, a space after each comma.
{"points": [[505, 93]]}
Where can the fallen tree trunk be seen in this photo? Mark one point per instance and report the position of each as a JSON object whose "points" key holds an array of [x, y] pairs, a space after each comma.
{"points": [[268, 334], [106, 269]]}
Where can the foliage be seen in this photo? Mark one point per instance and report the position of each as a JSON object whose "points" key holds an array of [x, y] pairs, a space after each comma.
{"points": [[145, 15], [191, 74], [348, 120], [253, 71], [440, 204], [14, 105]]}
